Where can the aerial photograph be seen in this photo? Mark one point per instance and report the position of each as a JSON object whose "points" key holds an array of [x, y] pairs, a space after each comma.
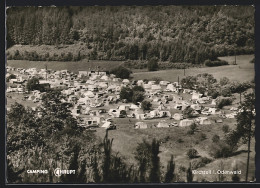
{"points": [[130, 94]]}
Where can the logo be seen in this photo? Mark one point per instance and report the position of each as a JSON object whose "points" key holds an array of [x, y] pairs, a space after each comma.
{"points": [[58, 172]]}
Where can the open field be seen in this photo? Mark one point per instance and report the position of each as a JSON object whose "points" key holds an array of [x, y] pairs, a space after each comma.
{"points": [[243, 71], [61, 65]]}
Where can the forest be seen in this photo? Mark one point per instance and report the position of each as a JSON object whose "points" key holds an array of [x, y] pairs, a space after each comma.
{"points": [[178, 34]]}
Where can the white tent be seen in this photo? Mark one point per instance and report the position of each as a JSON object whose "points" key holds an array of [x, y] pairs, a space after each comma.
{"points": [[156, 87], [140, 82], [178, 116], [89, 94], [186, 122], [126, 81], [163, 124], [106, 125], [141, 125], [164, 83], [196, 96], [104, 77], [170, 87]]}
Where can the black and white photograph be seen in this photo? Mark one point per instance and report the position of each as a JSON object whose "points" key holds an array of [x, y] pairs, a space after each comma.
{"points": [[130, 94]]}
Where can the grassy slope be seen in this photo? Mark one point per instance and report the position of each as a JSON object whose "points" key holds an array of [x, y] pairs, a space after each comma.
{"points": [[244, 71]]}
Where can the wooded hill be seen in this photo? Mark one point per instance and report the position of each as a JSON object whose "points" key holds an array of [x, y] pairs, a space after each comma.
{"points": [[171, 33]]}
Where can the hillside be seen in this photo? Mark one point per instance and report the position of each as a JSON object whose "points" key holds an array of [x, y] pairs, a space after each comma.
{"points": [[171, 33]]}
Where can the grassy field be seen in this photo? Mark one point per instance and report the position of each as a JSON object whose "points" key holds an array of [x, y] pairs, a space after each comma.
{"points": [[126, 139], [61, 65], [243, 71]]}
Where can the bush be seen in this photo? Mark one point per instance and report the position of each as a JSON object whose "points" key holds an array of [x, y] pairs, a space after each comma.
{"points": [[215, 138], [138, 96], [201, 162], [224, 102], [220, 150], [188, 112], [203, 136], [126, 93], [152, 64], [121, 72], [192, 153], [180, 140], [12, 76], [225, 128], [146, 105], [210, 63], [213, 93]]}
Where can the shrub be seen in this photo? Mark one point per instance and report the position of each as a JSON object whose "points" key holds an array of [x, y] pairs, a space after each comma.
{"points": [[215, 138], [225, 128], [188, 112], [203, 136], [213, 93], [220, 150], [180, 140], [192, 153], [210, 63], [201, 162], [126, 93], [146, 105], [138, 96], [121, 72], [224, 102]]}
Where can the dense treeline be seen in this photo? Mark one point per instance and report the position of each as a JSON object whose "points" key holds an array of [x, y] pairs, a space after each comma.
{"points": [[170, 33]]}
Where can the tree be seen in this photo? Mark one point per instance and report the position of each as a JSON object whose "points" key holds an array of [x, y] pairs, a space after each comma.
{"points": [[33, 84], [189, 82], [245, 123], [192, 153], [12, 76], [152, 64], [188, 112], [189, 174], [146, 105], [138, 88], [169, 176], [224, 81], [138, 96], [126, 93], [154, 176], [121, 72]]}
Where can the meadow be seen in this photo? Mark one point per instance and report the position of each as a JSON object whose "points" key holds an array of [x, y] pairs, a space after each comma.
{"points": [[243, 71], [61, 65]]}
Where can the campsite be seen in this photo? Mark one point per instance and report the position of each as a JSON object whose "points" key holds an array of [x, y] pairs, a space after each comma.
{"points": [[165, 122]]}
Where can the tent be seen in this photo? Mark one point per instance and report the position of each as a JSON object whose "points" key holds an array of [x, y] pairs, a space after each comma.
{"points": [[163, 124], [106, 125], [196, 96], [164, 83], [186, 122], [141, 125], [89, 94], [177, 116], [156, 87], [195, 107], [126, 81]]}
